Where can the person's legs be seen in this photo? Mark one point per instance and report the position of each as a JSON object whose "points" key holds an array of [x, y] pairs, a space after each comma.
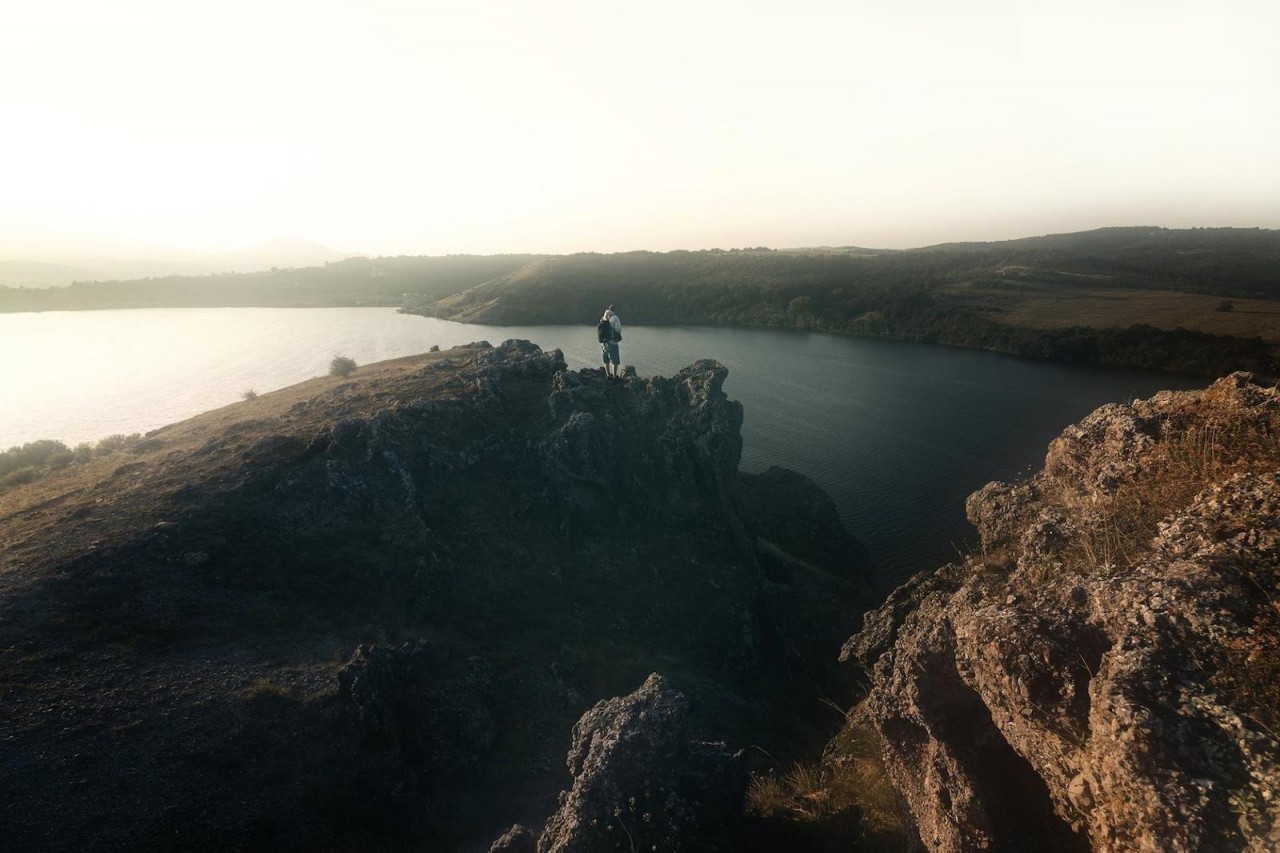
{"points": [[604, 355], [613, 357]]}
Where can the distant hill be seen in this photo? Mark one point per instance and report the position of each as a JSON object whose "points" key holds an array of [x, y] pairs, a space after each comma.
{"points": [[1203, 301], [1133, 239], [1199, 301], [55, 262], [348, 282]]}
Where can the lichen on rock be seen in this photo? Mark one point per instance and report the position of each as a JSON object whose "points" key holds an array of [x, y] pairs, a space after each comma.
{"points": [[1101, 674]]}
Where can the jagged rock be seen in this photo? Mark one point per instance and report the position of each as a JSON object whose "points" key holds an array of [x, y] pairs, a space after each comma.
{"points": [[1109, 690], [640, 783], [674, 448], [552, 535], [517, 839], [412, 699]]}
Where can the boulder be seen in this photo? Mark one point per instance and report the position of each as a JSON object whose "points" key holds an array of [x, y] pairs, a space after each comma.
{"points": [[1106, 680], [640, 782]]}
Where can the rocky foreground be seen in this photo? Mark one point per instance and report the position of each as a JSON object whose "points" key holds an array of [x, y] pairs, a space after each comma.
{"points": [[1105, 674], [379, 613], [366, 614]]}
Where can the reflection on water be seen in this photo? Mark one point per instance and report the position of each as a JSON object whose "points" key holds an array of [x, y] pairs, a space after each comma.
{"points": [[898, 433]]}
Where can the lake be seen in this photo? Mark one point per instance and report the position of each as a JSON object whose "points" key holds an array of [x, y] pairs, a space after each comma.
{"points": [[898, 433]]}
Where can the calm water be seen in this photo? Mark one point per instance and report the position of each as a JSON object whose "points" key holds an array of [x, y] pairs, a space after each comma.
{"points": [[898, 433]]}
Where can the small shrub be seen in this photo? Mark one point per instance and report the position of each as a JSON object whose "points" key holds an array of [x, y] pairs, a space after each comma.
{"points": [[249, 395], [342, 366], [850, 780], [112, 443], [33, 453], [18, 478]]}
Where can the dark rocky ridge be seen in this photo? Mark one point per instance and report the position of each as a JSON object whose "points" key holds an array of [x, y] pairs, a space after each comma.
{"points": [[640, 782], [367, 612], [1104, 673]]}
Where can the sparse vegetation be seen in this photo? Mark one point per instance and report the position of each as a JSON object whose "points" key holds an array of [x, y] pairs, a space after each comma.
{"points": [[1196, 446], [29, 462], [249, 395], [848, 784], [342, 366], [113, 443], [1196, 449], [35, 453]]}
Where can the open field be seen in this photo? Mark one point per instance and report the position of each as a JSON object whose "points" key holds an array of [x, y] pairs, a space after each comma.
{"points": [[1056, 306]]}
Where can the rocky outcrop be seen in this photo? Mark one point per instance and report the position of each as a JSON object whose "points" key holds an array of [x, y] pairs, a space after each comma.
{"points": [[641, 783], [1102, 675], [410, 700], [368, 610]]}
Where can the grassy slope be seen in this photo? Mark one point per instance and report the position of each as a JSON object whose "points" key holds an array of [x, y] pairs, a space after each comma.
{"points": [[173, 613]]}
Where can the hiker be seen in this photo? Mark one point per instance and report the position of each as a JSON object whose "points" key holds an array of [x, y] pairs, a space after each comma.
{"points": [[609, 332]]}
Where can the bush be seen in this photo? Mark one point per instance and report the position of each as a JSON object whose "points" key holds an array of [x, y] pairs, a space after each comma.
{"points": [[850, 780], [342, 366], [33, 453], [112, 443], [249, 395]]}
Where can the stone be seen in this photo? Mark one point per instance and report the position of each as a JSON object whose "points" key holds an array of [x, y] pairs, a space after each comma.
{"points": [[1094, 701], [641, 783]]}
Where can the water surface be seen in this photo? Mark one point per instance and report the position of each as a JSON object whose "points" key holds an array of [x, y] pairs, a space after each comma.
{"points": [[897, 433]]}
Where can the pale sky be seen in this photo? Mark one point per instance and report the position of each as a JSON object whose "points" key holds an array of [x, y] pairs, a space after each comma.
{"points": [[390, 126]]}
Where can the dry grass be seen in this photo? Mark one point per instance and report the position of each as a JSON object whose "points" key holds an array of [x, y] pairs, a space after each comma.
{"points": [[849, 781], [1197, 448], [1045, 306], [63, 497]]}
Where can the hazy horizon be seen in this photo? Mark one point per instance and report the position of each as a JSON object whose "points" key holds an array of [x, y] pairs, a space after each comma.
{"points": [[487, 127]]}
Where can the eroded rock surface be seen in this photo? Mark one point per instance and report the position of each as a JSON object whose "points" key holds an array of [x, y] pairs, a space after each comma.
{"points": [[640, 782], [1103, 674], [364, 613]]}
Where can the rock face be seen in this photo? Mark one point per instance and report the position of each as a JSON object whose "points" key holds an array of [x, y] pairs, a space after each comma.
{"points": [[366, 612], [1104, 674], [641, 783]]}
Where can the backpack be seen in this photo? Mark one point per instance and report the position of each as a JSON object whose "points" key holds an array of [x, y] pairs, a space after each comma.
{"points": [[604, 331]]}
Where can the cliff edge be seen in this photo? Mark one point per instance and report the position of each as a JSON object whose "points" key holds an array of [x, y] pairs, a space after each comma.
{"points": [[1103, 674], [366, 613]]}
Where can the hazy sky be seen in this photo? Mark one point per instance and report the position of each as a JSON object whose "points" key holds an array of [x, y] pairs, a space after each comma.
{"points": [[391, 126]]}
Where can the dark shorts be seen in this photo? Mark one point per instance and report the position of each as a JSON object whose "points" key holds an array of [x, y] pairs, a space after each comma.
{"points": [[609, 351]]}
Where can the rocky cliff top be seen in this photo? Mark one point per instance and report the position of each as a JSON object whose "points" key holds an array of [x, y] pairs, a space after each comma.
{"points": [[366, 612], [1103, 674]]}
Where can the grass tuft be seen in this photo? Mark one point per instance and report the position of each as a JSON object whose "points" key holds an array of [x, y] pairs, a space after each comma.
{"points": [[849, 781]]}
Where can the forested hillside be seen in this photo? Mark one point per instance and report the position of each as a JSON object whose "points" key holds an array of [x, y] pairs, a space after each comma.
{"points": [[1197, 301], [1108, 291]]}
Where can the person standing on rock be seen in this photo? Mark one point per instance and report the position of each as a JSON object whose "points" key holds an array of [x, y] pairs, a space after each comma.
{"points": [[609, 332]]}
